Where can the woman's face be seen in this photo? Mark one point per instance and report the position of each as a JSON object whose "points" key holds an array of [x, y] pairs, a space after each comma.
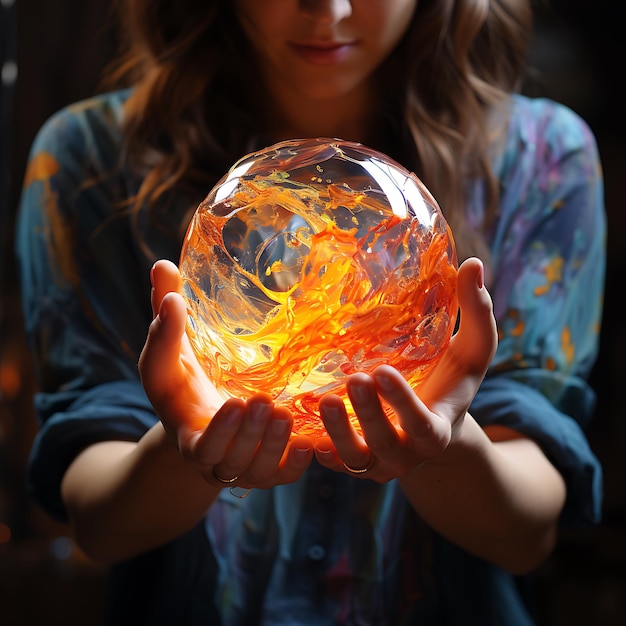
{"points": [[322, 49]]}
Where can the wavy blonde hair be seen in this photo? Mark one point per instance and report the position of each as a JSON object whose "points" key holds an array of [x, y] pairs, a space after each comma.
{"points": [[189, 119]]}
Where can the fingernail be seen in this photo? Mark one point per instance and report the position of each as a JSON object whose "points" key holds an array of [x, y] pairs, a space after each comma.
{"points": [[233, 415], [324, 452], [331, 412], [384, 382], [260, 410], [301, 454], [360, 392], [480, 280]]}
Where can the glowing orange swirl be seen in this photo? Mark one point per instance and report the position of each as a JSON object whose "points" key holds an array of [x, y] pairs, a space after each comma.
{"points": [[331, 322]]}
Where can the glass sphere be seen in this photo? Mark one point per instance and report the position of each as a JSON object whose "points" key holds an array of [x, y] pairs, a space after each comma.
{"points": [[313, 259]]}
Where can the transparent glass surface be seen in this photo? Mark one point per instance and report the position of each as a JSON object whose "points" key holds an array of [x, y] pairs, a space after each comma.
{"points": [[313, 259]]}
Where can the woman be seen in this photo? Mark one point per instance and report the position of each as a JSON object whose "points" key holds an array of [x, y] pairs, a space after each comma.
{"points": [[434, 522]]}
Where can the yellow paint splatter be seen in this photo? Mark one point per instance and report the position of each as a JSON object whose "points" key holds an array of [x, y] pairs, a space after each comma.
{"points": [[554, 270], [41, 167], [554, 273], [567, 345], [518, 329]]}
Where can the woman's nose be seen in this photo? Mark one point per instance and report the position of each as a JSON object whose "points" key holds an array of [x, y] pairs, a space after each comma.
{"points": [[326, 11]]}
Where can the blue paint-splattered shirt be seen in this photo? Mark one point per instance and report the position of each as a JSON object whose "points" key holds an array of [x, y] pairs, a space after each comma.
{"points": [[329, 549]]}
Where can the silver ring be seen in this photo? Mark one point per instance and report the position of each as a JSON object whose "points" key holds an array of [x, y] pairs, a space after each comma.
{"points": [[361, 470], [223, 481]]}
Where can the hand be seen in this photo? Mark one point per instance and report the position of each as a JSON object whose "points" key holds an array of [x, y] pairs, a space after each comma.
{"points": [[232, 443], [426, 424]]}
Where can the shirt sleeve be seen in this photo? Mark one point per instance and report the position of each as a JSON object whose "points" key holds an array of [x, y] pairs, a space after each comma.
{"points": [[85, 294], [516, 404], [116, 410], [549, 260]]}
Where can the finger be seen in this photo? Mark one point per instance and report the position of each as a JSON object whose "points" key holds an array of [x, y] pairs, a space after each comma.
{"points": [[160, 366], [209, 447], [337, 423], [378, 431], [450, 387], [298, 457], [165, 277], [245, 443], [477, 337], [327, 455], [430, 433], [170, 374], [345, 445], [273, 446]]}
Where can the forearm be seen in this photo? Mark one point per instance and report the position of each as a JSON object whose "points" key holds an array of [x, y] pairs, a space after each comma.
{"points": [[126, 498], [498, 500]]}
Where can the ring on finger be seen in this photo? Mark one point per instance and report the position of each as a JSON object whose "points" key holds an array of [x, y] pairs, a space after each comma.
{"points": [[223, 481], [361, 470]]}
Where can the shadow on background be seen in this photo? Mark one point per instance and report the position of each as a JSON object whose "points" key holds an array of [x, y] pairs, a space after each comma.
{"points": [[60, 50]]}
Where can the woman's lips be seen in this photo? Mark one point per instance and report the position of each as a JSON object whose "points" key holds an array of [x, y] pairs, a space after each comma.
{"points": [[322, 54]]}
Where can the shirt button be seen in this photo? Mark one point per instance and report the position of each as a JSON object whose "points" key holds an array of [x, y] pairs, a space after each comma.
{"points": [[316, 552]]}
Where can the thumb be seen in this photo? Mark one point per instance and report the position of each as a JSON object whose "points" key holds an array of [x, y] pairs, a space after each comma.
{"points": [[165, 278], [174, 381], [477, 338], [160, 366], [456, 378], [159, 361]]}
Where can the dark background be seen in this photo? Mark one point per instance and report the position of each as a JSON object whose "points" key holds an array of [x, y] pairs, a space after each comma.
{"points": [[59, 48]]}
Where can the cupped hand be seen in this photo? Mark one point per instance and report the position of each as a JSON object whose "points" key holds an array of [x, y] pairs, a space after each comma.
{"points": [[232, 443], [426, 423]]}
